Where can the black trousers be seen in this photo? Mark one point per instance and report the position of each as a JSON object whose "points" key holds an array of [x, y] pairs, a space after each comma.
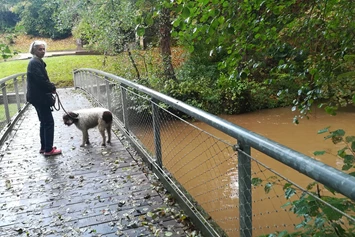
{"points": [[46, 130]]}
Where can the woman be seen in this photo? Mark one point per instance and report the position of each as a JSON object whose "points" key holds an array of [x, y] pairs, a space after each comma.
{"points": [[39, 94]]}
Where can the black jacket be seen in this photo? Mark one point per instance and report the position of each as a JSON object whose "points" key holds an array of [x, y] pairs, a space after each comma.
{"points": [[39, 88]]}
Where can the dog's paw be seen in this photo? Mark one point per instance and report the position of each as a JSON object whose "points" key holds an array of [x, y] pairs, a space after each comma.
{"points": [[103, 144]]}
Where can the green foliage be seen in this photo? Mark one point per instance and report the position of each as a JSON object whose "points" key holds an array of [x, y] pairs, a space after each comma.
{"points": [[8, 20], [38, 18], [202, 83], [196, 85], [106, 26], [5, 51], [302, 44]]}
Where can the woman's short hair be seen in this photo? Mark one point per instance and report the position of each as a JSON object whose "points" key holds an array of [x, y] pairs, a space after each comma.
{"points": [[36, 43]]}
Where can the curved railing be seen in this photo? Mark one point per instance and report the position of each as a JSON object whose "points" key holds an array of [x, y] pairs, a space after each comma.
{"points": [[210, 176], [12, 102]]}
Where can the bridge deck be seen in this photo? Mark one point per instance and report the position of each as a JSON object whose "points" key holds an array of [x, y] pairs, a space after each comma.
{"points": [[91, 191]]}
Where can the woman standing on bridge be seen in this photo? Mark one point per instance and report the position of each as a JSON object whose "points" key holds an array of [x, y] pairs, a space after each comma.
{"points": [[39, 94]]}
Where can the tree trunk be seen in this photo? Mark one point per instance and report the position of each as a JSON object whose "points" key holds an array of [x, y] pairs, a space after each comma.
{"points": [[165, 42], [133, 63]]}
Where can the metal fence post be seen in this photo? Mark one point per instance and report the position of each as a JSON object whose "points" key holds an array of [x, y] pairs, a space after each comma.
{"points": [[108, 94], [74, 79], [91, 83], [17, 94], [24, 85], [156, 128], [124, 106], [245, 198], [98, 91], [79, 76], [6, 102], [82, 84]]}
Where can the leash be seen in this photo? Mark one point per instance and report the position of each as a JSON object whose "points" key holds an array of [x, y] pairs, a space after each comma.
{"points": [[60, 105]]}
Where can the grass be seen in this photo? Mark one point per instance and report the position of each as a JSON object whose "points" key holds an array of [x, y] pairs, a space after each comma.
{"points": [[12, 110], [60, 69]]}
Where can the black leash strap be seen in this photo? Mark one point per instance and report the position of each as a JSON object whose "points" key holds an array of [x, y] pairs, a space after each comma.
{"points": [[60, 105], [56, 99]]}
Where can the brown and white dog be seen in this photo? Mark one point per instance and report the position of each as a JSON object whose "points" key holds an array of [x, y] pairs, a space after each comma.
{"points": [[84, 119]]}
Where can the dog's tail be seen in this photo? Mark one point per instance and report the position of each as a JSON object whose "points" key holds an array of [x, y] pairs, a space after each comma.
{"points": [[107, 117]]}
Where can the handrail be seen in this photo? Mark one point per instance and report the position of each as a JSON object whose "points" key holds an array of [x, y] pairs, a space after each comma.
{"points": [[5, 79], [10, 121], [329, 176]]}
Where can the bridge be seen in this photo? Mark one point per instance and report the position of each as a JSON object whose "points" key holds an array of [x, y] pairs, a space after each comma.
{"points": [[152, 180]]}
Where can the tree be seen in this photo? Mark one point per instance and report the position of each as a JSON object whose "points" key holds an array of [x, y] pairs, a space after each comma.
{"points": [[165, 43], [39, 18], [106, 26], [8, 18], [283, 44], [111, 27]]}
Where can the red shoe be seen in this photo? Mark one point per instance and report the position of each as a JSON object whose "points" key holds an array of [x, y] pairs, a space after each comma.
{"points": [[53, 152], [42, 150]]}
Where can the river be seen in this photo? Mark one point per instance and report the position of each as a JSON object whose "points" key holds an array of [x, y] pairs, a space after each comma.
{"points": [[207, 169]]}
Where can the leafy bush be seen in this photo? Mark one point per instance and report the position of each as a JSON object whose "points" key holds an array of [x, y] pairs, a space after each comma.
{"points": [[8, 20], [5, 51], [196, 84], [38, 18]]}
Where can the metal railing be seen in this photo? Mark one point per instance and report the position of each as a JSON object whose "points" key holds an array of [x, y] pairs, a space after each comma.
{"points": [[12, 102], [210, 171]]}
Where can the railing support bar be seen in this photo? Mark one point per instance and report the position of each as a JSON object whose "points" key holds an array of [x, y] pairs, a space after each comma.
{"points": [[124, 106], [156, 128], [98, 91], [108, 94], [17, 94], [74, 79], [24, 86], [245, 196], [91, 83], [6, 102]]}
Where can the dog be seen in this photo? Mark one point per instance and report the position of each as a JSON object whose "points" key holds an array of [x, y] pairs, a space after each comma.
{"points": [[84, 119]]}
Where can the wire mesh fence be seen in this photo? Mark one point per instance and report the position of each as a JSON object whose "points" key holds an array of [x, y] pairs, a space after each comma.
{"points": [[228, 182]]}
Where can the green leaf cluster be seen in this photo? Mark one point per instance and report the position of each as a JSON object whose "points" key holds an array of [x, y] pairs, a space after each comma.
{"points": [[39, 18], [303, 45], [6, 52]]}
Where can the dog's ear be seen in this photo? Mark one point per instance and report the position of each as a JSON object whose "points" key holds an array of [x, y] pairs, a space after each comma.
{"points": [[73, 115]]}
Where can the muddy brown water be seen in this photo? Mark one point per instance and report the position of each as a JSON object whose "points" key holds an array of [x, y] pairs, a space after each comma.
{"points": [[275, 124]]}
